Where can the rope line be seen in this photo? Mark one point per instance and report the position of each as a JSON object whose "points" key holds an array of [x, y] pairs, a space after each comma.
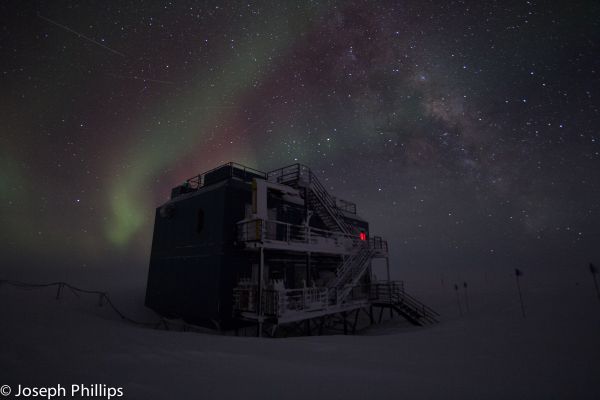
{"points": [[103, 298]]}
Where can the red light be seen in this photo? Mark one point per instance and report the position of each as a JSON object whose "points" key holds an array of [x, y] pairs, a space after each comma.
{"points": [[363, 236]]}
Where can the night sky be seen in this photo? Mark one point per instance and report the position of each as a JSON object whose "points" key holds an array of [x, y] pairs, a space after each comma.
{"points": [[466, 132]]}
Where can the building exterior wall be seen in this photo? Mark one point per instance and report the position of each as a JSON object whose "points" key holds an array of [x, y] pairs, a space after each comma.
{"points": [[195, 262], [186, 257]]}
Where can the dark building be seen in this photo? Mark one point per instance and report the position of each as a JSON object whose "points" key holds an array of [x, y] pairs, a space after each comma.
{"points": [[236, 246]]}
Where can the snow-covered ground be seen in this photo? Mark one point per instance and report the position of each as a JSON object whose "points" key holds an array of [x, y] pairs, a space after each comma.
{"points": [[490, 352]]}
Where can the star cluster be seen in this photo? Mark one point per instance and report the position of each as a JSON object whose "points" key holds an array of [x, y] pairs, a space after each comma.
{"points": [[466, 132]]}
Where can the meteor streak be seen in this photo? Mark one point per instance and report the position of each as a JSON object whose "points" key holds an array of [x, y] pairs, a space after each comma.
{"points": [[80, 35], [141, 78]]}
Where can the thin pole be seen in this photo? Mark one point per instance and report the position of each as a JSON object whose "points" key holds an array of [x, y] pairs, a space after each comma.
{"points": [[458, 299], [466, 297], [517, 274], [594, 272]]}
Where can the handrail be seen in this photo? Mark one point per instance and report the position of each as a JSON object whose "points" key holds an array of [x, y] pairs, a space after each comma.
{"points": [[328, 202], [259, 230], [420, 304], [295, 172], [282, 301], [347, 274], [349, 264], [345, 205], [277, 302], [394, 292], [352, 272]]}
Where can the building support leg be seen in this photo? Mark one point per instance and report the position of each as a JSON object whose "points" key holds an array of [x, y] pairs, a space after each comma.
{"points": [[308, 271], [355, 321], [345, 323], [261, 268], [387, 268]]}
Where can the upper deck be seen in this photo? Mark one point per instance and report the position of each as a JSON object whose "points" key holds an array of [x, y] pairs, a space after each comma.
{"points": [[246, 174]]}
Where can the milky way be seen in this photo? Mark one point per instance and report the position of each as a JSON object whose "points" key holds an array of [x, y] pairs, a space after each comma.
{"points": [[466, 132]]}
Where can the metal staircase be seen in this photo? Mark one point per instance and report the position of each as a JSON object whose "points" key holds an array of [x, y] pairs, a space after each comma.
{"points": [[325, 207], [349, 273], [340, 294], [392, 295], [317, 197]]}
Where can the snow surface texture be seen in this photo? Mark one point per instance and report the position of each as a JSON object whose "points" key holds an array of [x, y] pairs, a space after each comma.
{"points": [[490, 352]]}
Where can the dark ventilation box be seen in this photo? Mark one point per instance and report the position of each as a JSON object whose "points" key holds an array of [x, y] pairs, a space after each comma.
{"points": [[181, 189], [231, 171]]}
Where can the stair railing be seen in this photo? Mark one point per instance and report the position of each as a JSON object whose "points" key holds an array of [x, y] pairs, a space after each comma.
{"points": [[350, 272], [294, 173], [357, 271], [328, 203]]}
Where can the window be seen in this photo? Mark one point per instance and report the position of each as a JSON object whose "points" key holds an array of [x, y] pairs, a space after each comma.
{"points": [[363, 236]]}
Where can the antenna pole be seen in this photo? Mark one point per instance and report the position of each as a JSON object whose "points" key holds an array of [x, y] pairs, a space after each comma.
{"points": [[518, 273], [594, 272], [466, 297], [458, 299]]}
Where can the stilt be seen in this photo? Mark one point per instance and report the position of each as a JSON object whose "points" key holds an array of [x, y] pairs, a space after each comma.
{"points": [[371, 315], [260, 283], [355, 321], [300, 328], [345, 323], [321, 325], [387, 268]]}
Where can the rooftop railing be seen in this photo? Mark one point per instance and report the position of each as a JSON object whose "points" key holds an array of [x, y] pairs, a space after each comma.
{"points": [[295, 172], [235, 171]]}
